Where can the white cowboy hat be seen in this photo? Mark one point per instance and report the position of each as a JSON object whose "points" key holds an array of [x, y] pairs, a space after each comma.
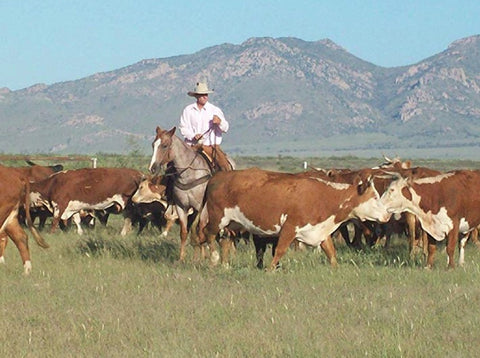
{"points": [[200, 88]]}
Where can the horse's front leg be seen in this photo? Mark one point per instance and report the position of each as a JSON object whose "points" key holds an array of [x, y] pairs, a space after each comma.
{"points": [[182, 218]]}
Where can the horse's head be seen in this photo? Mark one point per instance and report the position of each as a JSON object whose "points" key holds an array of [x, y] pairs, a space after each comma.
{"points": [[162, 153]]}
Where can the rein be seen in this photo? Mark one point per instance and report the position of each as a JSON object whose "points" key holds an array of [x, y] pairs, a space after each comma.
{"points": [[193, 183], [179, 172]]}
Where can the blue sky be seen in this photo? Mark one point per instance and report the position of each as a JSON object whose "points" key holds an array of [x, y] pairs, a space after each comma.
{"points": [[51, 41]]}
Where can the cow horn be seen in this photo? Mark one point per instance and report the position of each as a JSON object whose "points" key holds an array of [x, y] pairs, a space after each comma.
{"points": [[387, 159], [393, 175]]}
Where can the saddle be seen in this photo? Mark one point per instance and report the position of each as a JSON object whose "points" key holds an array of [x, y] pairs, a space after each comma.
{"points": [[212, 163]]}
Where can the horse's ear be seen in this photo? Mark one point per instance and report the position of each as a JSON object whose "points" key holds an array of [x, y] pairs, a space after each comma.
{"points": [[158, 130], [171, 132]]}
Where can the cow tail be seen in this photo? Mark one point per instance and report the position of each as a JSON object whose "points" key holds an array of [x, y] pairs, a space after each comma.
{"points": [[36, 235]]}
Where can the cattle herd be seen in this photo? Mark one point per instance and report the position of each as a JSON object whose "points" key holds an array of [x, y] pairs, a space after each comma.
{"points": [[364, 206]]}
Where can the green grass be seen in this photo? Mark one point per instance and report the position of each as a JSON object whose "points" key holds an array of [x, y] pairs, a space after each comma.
{"points": [[105, 295], [110, 296]]}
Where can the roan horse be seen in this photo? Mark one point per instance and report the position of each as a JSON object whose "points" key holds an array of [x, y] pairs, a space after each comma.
{"points": [[191, 176]]}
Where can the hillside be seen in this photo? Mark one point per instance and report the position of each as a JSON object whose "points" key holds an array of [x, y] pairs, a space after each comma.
{"points": [[282, 96]]}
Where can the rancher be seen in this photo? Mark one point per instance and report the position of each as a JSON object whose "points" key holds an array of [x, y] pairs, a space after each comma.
{"points": [[202, 124]]}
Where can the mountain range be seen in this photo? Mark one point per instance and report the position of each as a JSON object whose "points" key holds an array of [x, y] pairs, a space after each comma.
{"points": [[281, 96]]}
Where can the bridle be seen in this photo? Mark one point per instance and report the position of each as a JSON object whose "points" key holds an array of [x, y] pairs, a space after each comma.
{"points": [[177, 173]]}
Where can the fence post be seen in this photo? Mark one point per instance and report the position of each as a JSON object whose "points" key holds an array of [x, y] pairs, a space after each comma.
{"points": [[94, 162]]}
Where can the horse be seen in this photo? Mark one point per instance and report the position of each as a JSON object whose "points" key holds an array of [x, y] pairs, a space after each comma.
{"points": [[190, 177]]}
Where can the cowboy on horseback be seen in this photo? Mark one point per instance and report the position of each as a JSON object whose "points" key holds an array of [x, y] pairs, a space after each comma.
{"points": [[202, 125]]}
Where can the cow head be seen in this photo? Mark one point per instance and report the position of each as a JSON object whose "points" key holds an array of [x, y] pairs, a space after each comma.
{"points": [[39, 172], [149, 190], [161, 146], [397, 196], [370, 207], [394, 163]]}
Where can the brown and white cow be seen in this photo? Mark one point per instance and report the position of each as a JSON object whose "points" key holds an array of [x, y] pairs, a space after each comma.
{"points": [[446, 206], [279, 204], [30, 173], [14, 192], [374, 231], [68, 192], [34, 172]]}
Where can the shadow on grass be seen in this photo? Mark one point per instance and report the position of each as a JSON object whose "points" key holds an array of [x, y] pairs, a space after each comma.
{"points": [[145, 249]]}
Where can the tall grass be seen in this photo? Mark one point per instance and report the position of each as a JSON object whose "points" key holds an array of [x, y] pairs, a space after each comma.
{"points": [[106, 295]]}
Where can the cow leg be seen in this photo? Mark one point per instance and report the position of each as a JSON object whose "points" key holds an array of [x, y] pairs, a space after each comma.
{"points": [[411, 232], [3, 245], [329, 249], [461, 249], [225, 244], [474, 237], [343, 230], [168, 227], [102, 216], [424, 243], [274, 245], [20, 239], [127, 226], [77, 220], [55, 221], [207, 232], [142, 223], [386, 232], [287, 235], [363, 229], [452, 240], [42, 219], [432, 248], [260, 248]]}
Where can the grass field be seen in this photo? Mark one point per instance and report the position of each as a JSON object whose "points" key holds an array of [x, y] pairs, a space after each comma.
{"points": [[103, 295]]}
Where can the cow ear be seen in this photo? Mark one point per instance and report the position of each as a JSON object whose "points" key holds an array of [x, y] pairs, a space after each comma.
{"points": [[157, 179], [362, 183], [410, 178]]}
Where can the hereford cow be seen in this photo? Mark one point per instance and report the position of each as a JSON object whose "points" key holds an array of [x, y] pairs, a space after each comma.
{"points": [[67, 193], [14, 192], [284, 205], [34, 173], [446, 206], [374, 231], [31, 173]]}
